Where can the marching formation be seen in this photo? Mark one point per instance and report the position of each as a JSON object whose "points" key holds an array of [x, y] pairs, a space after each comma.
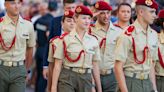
{"points": [[82, 50]]}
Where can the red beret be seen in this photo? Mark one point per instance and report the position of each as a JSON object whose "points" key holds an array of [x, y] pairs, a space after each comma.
{"points": [[161, 14], [68, 13], [149, 3], [102, 5], [83, 10]]}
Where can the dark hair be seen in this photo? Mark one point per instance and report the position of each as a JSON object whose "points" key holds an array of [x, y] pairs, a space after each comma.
{"points": [[63, 18], [52, 5], [123, 4], [159, 22], [68, 1]]}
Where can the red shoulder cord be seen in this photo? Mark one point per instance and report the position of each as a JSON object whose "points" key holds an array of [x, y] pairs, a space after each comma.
{"points": [[6, 48], [67, 56], [52, 46], [128, 32], [160, 58], [90, 33], [56, 37], [4, 45], [103, 41], [117, 25]]}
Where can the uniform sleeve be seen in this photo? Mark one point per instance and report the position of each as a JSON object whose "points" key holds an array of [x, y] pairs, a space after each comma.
{"points": [[158, 45], [122, 48], [52, 49], [31, 42], [96, 56], [59, 52]]}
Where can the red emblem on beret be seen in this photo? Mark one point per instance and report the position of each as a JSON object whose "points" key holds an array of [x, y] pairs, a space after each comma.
{"points": [[102, 5], [161, 14], [78, 10], [68, 13], [83, 10], [97, 5], [148, 2]]}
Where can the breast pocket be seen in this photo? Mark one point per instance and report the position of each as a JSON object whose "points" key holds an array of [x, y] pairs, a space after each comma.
{"points": [[23, 39], [74, 49], [153, 50], [110, 47], [90, 52]]}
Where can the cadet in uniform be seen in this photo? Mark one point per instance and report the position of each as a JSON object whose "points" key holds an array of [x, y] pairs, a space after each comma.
{"points": [[16, 44], [160, 65], [137, 50], [106, 34], [79, 53], [57, 30], [67, 25], [124, 12]]}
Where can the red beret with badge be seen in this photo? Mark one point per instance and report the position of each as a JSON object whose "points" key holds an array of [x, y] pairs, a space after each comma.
{"points": [[84, 10], [161, 14], [148, 3], [102, 5], [68, 13]]}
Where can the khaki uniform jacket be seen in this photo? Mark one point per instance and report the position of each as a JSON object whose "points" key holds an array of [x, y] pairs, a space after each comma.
{"points": [[74, 45], [124, 50], [107, 52], [159, 69], [25, 37]]}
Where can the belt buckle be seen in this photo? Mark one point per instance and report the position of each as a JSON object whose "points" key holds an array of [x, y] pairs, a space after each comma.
{"points": [[10, 63], [142, 76], [81, 71], [104, 71]]}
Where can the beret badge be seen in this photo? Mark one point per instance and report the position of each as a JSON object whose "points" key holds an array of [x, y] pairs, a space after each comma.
{"points": [[97, 5], [148, 2], [78, 10]]}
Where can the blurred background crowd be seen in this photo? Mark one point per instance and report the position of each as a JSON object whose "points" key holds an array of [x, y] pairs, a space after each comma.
{"points": [[32, 10]]}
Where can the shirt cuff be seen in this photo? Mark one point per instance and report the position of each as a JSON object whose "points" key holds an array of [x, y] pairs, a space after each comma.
{"points": [[45, 67]]}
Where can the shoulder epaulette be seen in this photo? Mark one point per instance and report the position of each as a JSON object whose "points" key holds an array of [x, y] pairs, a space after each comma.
{"points": [[116, 25], [60, 37], [129, 30], [63, 35], [52, 39], [90, 33], [1, 19]]}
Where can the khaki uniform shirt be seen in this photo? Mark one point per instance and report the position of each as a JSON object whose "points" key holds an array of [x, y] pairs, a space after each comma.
{"points": [[111, 35], [52, 48], [74, 45], [124, 49], [159, 69], [25, 37]]}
